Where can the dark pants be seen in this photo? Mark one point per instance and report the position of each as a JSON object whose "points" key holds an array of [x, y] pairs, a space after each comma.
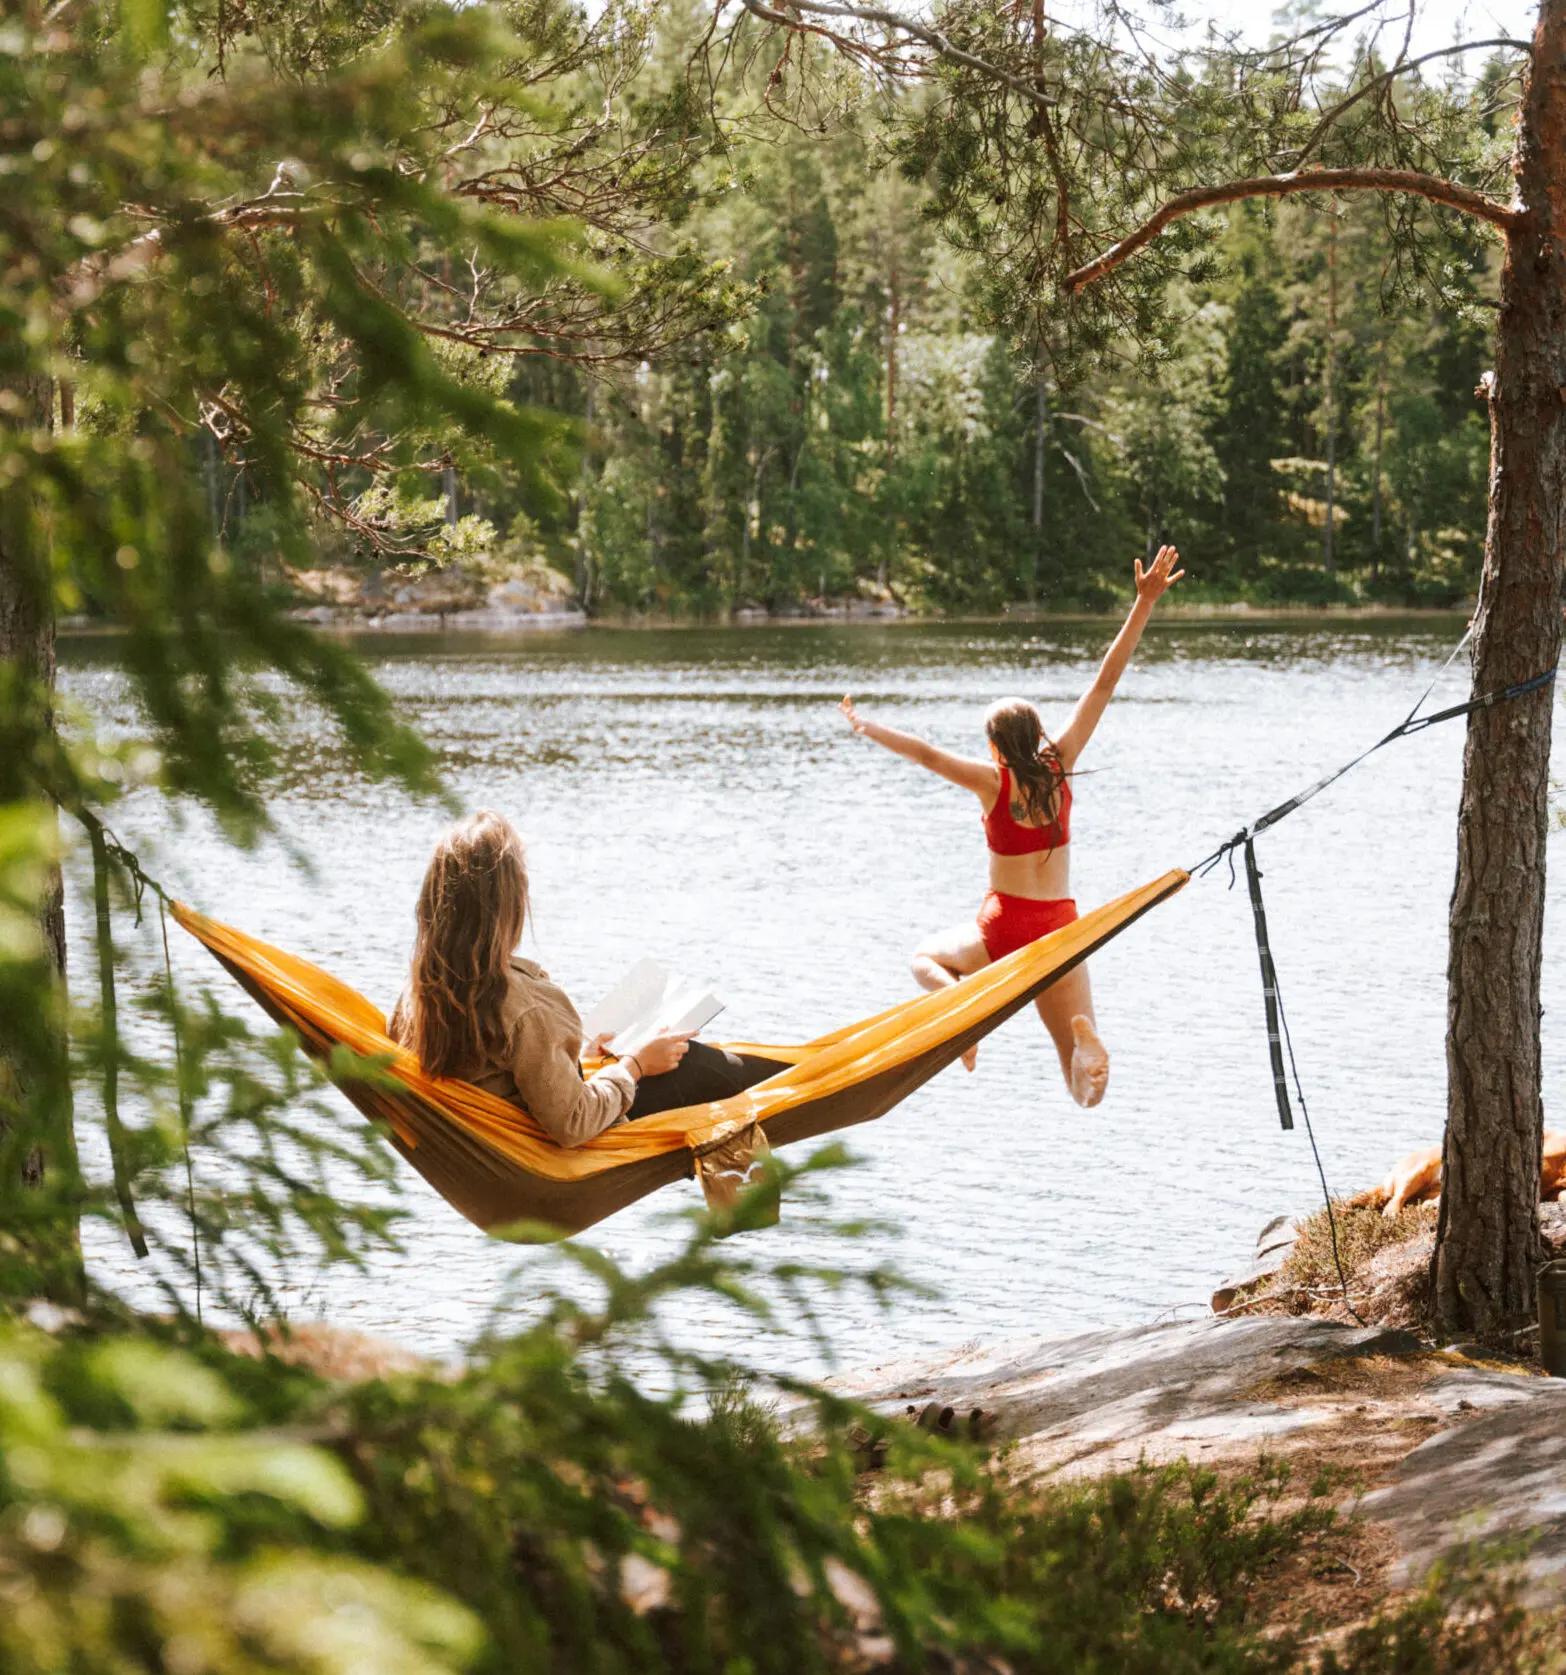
{"points": [[705, 1073]]}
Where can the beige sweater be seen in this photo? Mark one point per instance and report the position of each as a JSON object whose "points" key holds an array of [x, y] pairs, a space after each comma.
{"points": [[541, 1068]]}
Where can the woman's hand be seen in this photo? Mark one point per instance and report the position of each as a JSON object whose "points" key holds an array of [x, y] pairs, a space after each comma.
{"points": [[662, 1053], [855, 720], [1152, 583]]}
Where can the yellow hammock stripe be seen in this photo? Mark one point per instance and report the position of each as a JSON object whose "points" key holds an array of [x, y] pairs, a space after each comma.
{"points": [[496, 1165]]}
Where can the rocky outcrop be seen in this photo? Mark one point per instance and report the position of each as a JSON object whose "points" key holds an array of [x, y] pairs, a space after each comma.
{"points": [[450, 600], [1444, 1446], [1274, 1244]]}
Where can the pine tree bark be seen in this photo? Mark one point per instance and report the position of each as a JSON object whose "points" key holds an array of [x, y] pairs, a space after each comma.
{"points": [[34, 1072], [1040, 437], [27, 645], [1381, 424], [1332, 395], [1487, 1241]]}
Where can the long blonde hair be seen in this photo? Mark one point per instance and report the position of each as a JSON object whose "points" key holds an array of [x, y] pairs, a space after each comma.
{"points": [[472, 909]]}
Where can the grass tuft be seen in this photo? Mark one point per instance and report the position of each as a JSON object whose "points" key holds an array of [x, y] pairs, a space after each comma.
{"points": [[1363, 1232]]}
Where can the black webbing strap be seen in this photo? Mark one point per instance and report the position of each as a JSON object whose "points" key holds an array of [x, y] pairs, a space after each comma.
{"points": [[1269, 977], [1246, 839], [1278, 1040], [1415, 723]]}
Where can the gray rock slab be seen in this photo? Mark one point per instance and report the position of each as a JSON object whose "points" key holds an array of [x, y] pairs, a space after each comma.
{"points": [[1208, 1388], [1477, 1388], [1500, 1476], [1274, 1244], [1138, 1385]]}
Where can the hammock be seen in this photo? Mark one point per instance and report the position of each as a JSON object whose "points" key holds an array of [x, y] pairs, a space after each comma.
{"points": [[490, 1160]]}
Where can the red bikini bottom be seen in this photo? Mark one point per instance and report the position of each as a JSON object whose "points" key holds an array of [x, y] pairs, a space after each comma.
{"points": [[1008, 923]]}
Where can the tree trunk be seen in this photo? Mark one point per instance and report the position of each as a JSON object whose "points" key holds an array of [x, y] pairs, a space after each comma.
{"points": [[34, 1068], [894, 325], [1375, 491], [27, 647], [1487, 1241], [584, 557], [791, 523], [1040, 435], [1332, 417]]}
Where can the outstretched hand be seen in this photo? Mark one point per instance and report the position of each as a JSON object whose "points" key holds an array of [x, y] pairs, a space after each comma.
{"points": [[1160, 575], [855, 720]]}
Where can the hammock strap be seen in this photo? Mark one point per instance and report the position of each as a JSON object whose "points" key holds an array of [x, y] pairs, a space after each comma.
{"points": [[110, 1037], [1245, 839], [183, 1094], [104, 845], [1278, 1038], [1269, 976], [1414, 723], [102, 838]]}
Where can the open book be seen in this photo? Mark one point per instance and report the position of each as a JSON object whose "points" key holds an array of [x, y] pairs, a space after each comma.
{"points": [[647, 999]]}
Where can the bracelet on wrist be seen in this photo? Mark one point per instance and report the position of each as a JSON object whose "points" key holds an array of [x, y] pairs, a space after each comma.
{"points": [[631, 1058]]}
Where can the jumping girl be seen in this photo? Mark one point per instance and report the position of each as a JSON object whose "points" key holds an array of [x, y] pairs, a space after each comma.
{"points": [[1025, 790], [473, 1009]]}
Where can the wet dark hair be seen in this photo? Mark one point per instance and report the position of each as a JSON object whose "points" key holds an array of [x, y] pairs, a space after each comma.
{"points": [[1014, 728]]}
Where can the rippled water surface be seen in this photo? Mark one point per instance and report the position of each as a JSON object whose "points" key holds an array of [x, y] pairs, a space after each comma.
{"points": [[694, 795]]}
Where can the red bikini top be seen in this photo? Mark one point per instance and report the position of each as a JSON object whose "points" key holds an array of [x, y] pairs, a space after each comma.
{"points": [[1008, 836]]}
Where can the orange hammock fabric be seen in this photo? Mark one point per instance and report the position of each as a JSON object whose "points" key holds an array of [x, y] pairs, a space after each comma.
{"points": [[493, 1162]]}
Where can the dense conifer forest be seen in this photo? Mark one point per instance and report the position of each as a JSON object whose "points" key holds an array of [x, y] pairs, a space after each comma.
{"points": [[809, 388]]}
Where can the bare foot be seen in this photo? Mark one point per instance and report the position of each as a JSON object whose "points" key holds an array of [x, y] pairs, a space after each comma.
{"points": [[1089, 1063], [971, 1057]]}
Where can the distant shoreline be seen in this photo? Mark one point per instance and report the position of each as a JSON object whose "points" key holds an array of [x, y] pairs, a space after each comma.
{"points": [[1167, 612], [513, 625]]}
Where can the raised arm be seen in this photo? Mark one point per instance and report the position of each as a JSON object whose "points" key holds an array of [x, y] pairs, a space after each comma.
{"points": [[981, 778], [1151, 584]]}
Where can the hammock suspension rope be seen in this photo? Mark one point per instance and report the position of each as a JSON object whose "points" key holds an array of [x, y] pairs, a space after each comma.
{"points": [[1278, 1038], [105, 847]]}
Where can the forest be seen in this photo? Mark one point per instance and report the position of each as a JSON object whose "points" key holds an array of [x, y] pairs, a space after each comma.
{"points": [[869, 428], [819, 384]]}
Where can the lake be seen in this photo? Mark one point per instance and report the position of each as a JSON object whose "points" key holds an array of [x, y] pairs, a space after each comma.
{"points": [[694, 795]]}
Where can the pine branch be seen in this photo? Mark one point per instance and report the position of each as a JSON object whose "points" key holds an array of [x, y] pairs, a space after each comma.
{"points": [[1401, 68], [94, 275], [938, 43], [1433, 187]]}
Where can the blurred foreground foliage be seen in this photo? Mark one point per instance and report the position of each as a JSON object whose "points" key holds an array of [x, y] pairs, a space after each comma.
{"points": [[584, 1496]]}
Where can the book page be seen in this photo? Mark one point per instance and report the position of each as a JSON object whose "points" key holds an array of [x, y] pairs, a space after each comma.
{"points": [[649, 998], [634, 999], [689, 1010]]}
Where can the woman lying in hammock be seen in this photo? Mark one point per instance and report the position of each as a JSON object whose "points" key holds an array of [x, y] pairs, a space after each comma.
{"points": [[1025, 790], [473, 1009]]}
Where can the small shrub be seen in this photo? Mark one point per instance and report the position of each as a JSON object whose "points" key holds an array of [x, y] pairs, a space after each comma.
{"points": [[146, 1527], [595, 1526], [1469, 1619], [547, 1511], [1362, 1232]]}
